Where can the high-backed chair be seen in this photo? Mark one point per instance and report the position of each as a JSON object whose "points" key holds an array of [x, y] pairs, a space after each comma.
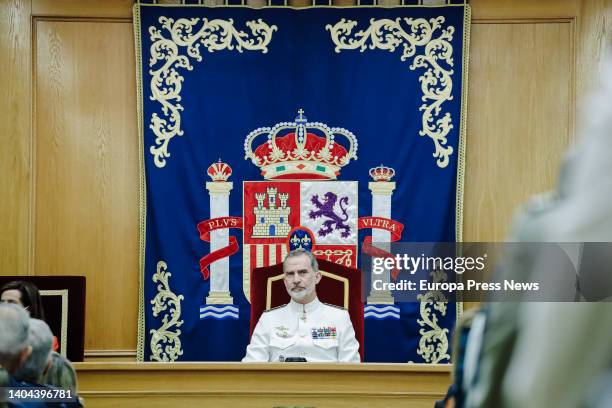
{"points": [[339, 285]]}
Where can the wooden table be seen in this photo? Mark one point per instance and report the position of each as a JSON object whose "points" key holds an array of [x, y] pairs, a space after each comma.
{"points": [[265, 385]]}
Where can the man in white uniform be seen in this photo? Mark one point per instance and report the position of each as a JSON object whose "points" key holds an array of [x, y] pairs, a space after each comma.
{"points": [[305, 327]]}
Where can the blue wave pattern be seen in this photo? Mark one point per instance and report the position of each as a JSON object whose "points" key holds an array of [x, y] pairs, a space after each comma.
{"points": [[381, 312], [218, 312]]}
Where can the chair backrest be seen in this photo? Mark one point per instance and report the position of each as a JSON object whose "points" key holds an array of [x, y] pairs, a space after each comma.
{"points": [[339, 285]]}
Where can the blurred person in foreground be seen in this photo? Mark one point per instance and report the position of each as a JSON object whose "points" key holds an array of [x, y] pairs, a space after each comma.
{"points": [[562, 349], [14, 327], [550, 354], [14, 349], [30, 372], [39, 340], [60, 373], [305, 328]]}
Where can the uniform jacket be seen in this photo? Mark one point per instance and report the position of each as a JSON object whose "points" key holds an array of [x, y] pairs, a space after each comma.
{"points": [[316, 331]]}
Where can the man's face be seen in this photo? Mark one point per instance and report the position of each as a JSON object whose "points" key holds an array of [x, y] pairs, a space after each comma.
{"points": [[12, 296], [300, 279]]}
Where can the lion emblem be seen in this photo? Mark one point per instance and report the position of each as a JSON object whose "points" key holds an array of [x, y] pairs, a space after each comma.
{"points": [[326, 209]]}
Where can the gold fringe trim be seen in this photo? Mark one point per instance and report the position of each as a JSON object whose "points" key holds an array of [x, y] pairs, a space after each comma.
{"points": [[467, 20], [143, 188]]}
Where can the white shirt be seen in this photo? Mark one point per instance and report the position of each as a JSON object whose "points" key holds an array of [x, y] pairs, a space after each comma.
{"points": [[315, 331]]}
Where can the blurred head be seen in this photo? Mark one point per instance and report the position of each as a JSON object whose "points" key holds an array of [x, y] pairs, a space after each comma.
{"points": [[301, 275], [14, 326], [60, 373], [24, 294], [40, 340]]}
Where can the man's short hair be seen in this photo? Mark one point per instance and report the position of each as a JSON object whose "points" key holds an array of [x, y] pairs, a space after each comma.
{"points": [[301, 251], [14, 326], [40, 339]]}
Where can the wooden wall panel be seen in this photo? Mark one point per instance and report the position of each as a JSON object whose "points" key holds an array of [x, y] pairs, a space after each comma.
{"points": [[522, 9], [15, 138], [520, 108], [80, 8], [87, 170], [594, 42]]}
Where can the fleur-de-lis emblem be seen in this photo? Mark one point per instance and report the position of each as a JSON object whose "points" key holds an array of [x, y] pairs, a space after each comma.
{"points": [[296, 241]]}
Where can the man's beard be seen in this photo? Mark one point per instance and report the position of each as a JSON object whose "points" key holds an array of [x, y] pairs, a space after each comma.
{"points": [[299, 295]]}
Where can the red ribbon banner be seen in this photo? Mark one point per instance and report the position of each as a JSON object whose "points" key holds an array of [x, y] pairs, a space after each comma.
{"points": [[205, 228], [394, 227]]}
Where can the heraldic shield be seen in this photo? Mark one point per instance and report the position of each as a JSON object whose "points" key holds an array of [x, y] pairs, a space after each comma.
{"points": [[279, 216]]}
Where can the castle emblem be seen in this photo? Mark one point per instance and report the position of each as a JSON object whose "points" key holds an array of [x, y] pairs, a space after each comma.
{"points": [[273, 220]]}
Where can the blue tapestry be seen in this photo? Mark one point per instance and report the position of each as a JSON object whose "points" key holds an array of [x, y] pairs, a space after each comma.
{"points": [[251, 118]]}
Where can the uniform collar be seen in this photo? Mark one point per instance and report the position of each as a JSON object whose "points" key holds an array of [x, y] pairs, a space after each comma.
{"points": [[308, 307]]}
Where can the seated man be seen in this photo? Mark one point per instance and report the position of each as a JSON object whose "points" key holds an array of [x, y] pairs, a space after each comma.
{"points": [[305, 328]]}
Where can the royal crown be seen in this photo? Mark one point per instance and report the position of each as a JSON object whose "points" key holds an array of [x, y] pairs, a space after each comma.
{"points": [[219, 171], [300, 150], [382, 173]]}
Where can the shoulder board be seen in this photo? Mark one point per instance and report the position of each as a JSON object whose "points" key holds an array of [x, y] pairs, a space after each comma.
{"points": [[336, 306], [274, 308]]}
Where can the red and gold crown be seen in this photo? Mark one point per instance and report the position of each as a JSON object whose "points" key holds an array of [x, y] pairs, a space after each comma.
{"points": [[300, 150], [219, 171], [382, 173]]}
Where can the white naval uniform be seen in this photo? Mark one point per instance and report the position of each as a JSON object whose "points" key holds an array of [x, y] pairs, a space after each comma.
{"points": [[316, 331]]}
